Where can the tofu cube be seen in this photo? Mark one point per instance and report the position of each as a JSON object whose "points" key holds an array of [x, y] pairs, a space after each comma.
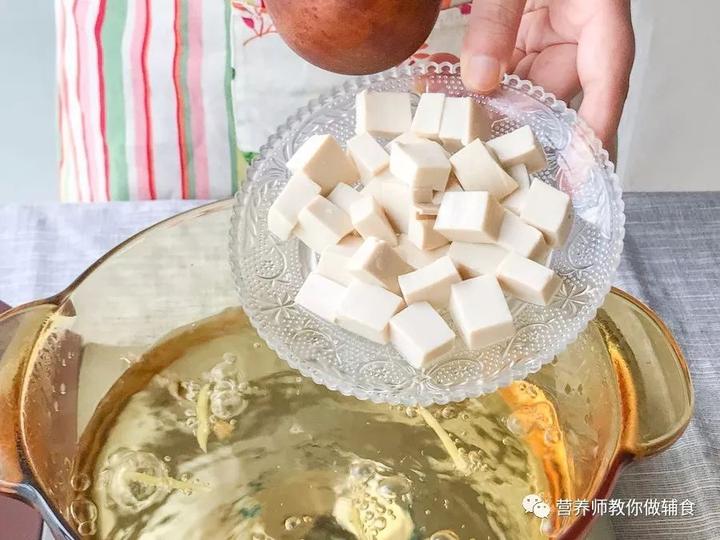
{"points": [[405, 138], [431, 283], [322, 224], [320, 296], [323, 160], [377, 263], [549, 210], [415, 256], [335, 260], [428, 115], [369, 220], [369, 156], [421, 335], [366, 310], [473, 260], [394, 196], [420, 165], [343, 196], [516, 200], [463, 120], [469, 216], [425, 211], [480, 312], [423, 235], [519, 237], [382, 114], [528, 280], [519, 146], [283, 213], [422, 195], [476, 170]]}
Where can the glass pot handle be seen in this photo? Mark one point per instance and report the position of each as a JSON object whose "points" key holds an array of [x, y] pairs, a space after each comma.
{"points": [[19, 329], [652, 374]]}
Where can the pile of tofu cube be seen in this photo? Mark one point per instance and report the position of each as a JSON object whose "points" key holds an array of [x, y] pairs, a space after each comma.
{"points": [[442, 218]]}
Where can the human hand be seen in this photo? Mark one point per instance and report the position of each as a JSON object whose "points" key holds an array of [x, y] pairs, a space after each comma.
{"points": [[562, 45]]}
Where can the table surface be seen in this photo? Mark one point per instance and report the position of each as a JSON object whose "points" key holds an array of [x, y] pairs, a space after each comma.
{"points": [[671, 261]]}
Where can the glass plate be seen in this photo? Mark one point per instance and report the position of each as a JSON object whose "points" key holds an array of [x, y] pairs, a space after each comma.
{"points": [[268, 273]]}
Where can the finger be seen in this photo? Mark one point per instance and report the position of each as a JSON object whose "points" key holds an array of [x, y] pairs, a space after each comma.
{"points": [[489, 42], [517, 56], [522, 69], [555, 69], [605, 76]]}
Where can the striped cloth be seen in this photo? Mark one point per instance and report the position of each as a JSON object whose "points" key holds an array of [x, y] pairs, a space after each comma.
{"points": [[147, 92], [145, 110]]}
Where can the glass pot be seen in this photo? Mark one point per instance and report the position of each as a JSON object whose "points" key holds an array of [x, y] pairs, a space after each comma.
{"points": [[620, 392]]}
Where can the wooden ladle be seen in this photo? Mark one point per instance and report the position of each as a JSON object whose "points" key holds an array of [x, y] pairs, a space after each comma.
{"points": [[354, 37]]}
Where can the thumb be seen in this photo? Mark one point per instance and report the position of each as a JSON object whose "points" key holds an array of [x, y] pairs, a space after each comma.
{"points": [[489, 42]]}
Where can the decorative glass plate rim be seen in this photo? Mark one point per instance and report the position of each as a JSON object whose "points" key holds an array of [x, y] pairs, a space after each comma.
{"points": [[516, 372]]}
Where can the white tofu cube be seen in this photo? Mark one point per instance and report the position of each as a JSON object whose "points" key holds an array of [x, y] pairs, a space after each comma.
{"points": [[463, 120], [334, 260], [420, 165], [422, 195], [382, 114], [519, 237], [343, 196], [416, 257], [369, 156], [428, 115], [430, 284], [405, 138], [323, 160], [421, 335], [528, 280], [549, 210], [480, 312], [377, 263], [369, 220], [476, 170], [425, 210], [519, 146], [322, 224], [283, 213], [469, 216], [387, 176], [321, 296], [394, 196], [366, 310], [516, 200], [423, 235], [473, 260]]}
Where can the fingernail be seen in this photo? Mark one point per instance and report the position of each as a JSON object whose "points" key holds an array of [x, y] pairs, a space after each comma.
{"points": [[482, 73]]}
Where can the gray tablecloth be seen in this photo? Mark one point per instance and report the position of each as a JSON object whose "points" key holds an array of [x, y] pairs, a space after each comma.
{"points": [[671, 261]]}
